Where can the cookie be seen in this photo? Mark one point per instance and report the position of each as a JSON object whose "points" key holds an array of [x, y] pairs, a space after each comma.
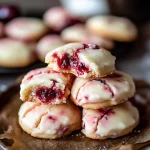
{"points": [[57, 18], [82, 60], [14, 53], [111, 122], [115, 28], [26, 29], [49, 121], [47, 44], [78, 33], [95, 93], [1, 29], [45, 86]]}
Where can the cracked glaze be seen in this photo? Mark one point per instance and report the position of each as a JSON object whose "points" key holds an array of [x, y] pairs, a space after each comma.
{"points": [[116, 87], [110, 122]]}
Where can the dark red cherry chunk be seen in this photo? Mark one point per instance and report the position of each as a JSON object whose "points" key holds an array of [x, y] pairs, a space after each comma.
{"points": [[68, 62], [47, 95], [8, 12]]}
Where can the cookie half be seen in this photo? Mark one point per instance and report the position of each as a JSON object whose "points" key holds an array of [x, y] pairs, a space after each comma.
{"points": [[26, 29], [95, 93], [112, 27], [82, 60], [49, 121], [14, 53], [45, 86], [111, 122]]}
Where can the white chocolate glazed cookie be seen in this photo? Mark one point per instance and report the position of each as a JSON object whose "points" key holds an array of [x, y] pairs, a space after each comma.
{"points": [[45, 86], [49, 121], [26, 29], [95, 93], [82, 60], [110, 122], [115, 28], [47, 44], [14, 53]]}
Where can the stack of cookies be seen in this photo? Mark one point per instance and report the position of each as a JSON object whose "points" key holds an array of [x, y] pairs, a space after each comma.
{"points": [[98, 88]]}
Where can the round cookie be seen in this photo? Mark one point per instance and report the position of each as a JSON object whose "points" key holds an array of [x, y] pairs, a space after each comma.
{"points": [[27, 29], [78, 33], [115, 28], [95, 93], [111, 122], [49, 121], [1, 29], [14, 53], [46, 44], [57, 18], [45, 86], [82, 60]]}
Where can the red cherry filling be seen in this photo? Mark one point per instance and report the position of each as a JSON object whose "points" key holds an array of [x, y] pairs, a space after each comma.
{"points": [[106, 113], [47, 95], [107, 88], [52, 118], [68, 62]]}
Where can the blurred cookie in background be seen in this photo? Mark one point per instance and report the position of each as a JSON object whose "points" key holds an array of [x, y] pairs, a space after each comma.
{"points": [[26, 29], [57, 18], [14, 53], [46, 44], [78, 33], [112, 27], [1, 29], [119, 29]]}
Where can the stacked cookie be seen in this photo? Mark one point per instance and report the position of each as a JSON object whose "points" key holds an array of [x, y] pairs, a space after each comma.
{"points": [[98, 88], [46, 112]]}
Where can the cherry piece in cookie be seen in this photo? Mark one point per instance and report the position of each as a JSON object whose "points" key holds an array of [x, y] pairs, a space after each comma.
{"points": [[82, 60], [47, 44], [48, 121], [46, 86], [110, 122], [95, 93]]}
